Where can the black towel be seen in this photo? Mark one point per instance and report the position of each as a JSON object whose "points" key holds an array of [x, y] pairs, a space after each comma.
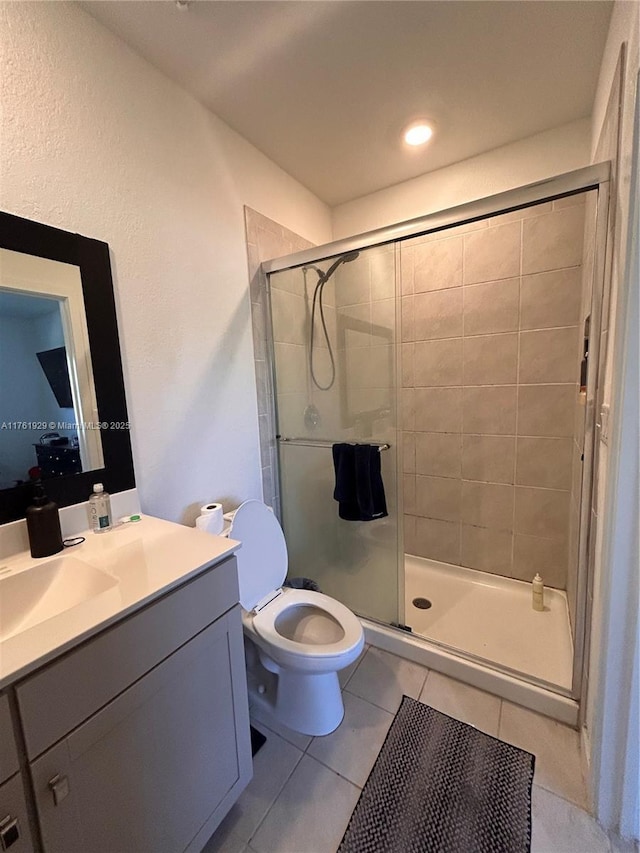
{"points": [[359, 489]]}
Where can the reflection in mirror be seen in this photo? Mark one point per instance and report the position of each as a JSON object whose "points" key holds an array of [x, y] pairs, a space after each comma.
{"points": [[49, 425]]}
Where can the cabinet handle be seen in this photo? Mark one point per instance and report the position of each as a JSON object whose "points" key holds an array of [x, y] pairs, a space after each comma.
{"points": [[59, 787], [9, 831]]}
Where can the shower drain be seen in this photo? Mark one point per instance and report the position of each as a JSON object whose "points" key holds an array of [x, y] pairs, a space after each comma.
{"points": [[421, 603]]}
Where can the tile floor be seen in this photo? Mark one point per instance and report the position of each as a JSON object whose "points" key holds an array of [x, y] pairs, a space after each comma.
{"points": [[304, 789]]}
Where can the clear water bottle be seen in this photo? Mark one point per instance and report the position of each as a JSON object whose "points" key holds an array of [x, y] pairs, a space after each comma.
{"points": [[99, 509]]}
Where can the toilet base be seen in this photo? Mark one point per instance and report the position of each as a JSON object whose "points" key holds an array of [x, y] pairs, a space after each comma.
{"points": [[311, 704], [308, 703]]}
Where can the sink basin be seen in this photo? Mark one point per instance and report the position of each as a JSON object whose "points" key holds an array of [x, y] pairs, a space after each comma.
{"points": [[33, 595]]}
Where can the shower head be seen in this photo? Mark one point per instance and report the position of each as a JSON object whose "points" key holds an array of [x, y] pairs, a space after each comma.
{"points": [[343, 259]]}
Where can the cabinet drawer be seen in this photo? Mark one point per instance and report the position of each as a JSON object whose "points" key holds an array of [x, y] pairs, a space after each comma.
{"points": [[64, 694], [13, 807], [8, 753]]}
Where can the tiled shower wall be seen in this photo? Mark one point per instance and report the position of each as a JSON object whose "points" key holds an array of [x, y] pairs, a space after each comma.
{"points": [[490, 331], [266, 239]]}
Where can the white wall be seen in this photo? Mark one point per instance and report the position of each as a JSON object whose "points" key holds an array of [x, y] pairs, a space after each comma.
{"points": [[96, 140], [541, 156]]}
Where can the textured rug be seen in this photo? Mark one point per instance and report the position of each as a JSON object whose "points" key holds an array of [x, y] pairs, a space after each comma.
{"points": [[442, 786]]}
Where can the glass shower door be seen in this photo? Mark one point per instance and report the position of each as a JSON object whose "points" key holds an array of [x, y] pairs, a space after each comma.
{"points": [[334, 345]]}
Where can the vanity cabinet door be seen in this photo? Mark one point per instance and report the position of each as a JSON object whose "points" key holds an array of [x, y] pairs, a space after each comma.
{"points": [[14, 822], [8, 753], [159, 763]]}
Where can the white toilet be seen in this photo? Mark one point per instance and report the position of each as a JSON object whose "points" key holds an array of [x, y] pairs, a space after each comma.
{"points": [[302, 637]]}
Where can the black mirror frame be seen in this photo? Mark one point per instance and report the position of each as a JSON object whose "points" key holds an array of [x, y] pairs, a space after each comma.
{"points": [[92, 257]]}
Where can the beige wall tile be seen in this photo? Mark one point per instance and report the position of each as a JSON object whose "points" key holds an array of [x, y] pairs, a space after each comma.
{"points": [[383, 313], [291, 367], [532, 554], [544, 462], [490, 458], [487, 505], [408, 409], [486, 550], [352, 281], [407, 365], [489, 410], [546, 410], [438, 409], [492, 253], [382, 272], [553, 240], [438, 497], [490, 359], [542, 512], [549, 355], [569, 200], [409, 532], [437, 540], [438, 362], [289, 317], [438, 264], [492, 307], [522, 213], [407, 322], [409, 492], [406, 267], [409, 452], [437, 314], [550, 299], [438, 453]]}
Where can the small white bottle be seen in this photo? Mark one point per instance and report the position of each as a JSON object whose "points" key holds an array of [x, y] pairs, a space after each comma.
{"points": [[99, 509], [537, 593]]}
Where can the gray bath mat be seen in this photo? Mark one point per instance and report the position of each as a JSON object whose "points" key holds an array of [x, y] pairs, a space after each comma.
{"points": [[441, 786]]}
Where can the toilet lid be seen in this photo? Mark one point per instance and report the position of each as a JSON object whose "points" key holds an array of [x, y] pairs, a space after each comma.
{"points": [[262, 560]]}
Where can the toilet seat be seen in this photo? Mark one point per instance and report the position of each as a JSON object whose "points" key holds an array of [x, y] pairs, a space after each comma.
{"points": [[297, 640], [262, 568], [265, 625], [262, 559]]}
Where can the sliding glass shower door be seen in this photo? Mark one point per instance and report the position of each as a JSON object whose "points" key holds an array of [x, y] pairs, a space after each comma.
{"points": [[334, 338]]}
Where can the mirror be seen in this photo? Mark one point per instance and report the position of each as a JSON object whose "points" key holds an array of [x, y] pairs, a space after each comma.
{"points": [[63, 414], [50, 424]]}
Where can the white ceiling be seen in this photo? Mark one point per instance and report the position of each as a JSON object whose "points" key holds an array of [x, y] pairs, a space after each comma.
{"points": [[324, 88]]}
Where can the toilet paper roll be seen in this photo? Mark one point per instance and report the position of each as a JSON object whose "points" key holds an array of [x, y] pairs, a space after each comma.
{"points": [[210, 518]]}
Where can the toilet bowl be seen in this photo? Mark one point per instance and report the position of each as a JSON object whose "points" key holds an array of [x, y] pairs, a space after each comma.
{"points": [[301, 637]]}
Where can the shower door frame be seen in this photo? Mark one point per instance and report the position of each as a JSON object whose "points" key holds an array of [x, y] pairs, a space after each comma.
{"points": [[595, 177]]}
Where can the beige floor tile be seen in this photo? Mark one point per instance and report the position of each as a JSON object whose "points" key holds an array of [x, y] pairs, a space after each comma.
{"points": [[622, 845], [561, 827], [465, 703], [224, 841], [272, 766], [556, 747], [297, 739], [345, 674], [383, 678], [311, 813], [353, 748]]}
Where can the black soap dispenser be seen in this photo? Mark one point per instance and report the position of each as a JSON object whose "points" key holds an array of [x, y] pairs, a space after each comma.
{"points": [[43, 524]]}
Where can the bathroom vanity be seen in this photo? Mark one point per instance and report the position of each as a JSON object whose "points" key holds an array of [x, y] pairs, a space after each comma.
{"points": [[124, 718]]}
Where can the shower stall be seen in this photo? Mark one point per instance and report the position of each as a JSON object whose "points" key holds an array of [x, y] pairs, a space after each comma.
{"points": [[464, 347]]}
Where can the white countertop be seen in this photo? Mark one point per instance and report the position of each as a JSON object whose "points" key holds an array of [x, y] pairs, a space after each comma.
{"points": [[147, 558]]}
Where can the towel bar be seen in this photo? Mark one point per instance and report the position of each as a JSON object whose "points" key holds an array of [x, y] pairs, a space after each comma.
{"points": [[323, 442]]}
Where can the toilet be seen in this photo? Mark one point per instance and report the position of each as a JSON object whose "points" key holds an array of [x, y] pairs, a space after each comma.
{"points": [[297, 640]]}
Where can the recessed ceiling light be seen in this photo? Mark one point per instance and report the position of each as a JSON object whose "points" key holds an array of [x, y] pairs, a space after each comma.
{"points": [[418, 133]]}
